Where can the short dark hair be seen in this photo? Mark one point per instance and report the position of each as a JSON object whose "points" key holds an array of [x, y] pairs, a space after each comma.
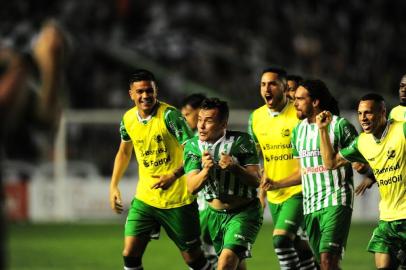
{"points": [[280, 71], [375, 97], [193, 100], [215, 103], [142, 75], [318, 90], [372, 96], [298, 79]]}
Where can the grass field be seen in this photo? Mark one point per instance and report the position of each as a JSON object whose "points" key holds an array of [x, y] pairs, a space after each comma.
{"points": [[84, 246]]}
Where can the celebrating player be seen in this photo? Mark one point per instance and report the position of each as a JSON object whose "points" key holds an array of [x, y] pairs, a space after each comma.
{"points": [[270, 126], [156, 132], [383, 146], [327, 194], [224, 165]]}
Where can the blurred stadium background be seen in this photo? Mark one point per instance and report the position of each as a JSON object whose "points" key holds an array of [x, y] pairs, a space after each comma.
{"points": [[214, 47]]}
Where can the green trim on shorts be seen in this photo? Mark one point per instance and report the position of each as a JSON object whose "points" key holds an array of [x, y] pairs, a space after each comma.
{"points": [[180, 223], [388, 237], [235, 229], [288, 215], [328, 229]]}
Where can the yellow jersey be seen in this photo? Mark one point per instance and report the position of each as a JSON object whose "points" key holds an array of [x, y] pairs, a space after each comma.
{"points": [[398, 113], [273, 134], [158, 148], [387, 158]]}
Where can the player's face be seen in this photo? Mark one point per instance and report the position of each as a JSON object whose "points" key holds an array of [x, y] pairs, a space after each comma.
{"points": [[402, 90], [292, 86], [371, 116], [272, 91], [143, 93], [303, 103], [191, 116], [209, 127]]}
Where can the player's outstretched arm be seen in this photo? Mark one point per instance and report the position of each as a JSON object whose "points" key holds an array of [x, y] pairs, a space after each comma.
{"points": [[292, 180], [121, 161], [48, 52]]}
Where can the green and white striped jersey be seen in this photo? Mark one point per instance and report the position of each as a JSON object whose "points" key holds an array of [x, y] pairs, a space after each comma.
{"points": [[221, 182], [322, 187]]}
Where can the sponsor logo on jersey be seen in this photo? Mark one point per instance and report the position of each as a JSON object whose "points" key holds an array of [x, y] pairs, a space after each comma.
{"points": [[311, 153], [158, 138], [285, 132], [390, 180], [153, 152], [387, 169], [279, 157], [318, 169], [391, 153], [193, 156], [178, 132], [239, 236], [156, 163], [276, 146]]}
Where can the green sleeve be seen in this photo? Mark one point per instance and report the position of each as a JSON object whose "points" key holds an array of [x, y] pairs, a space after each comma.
{"points": [[295, 153], [390, 114], [245, 150], [351, 152], [123, 132], [345, 133], [191, 157], [404, 129], [176, 124], [250, 129]]}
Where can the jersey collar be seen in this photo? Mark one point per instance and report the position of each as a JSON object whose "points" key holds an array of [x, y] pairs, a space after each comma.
{"points": [[275, 114], [149, 117], [384, 133], [208, 146]]}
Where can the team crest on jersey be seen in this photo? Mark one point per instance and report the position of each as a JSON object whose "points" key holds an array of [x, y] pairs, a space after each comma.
{"points": [[391, 153], [285, 132], [193, 156], [158, 138]]}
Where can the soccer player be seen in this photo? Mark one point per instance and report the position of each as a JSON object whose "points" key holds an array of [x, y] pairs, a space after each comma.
{"points": [[156, 132], [293, 84], [382, 144], [399, 112], [327, 194], [224, 164], [270, 126], [190, 108]]}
